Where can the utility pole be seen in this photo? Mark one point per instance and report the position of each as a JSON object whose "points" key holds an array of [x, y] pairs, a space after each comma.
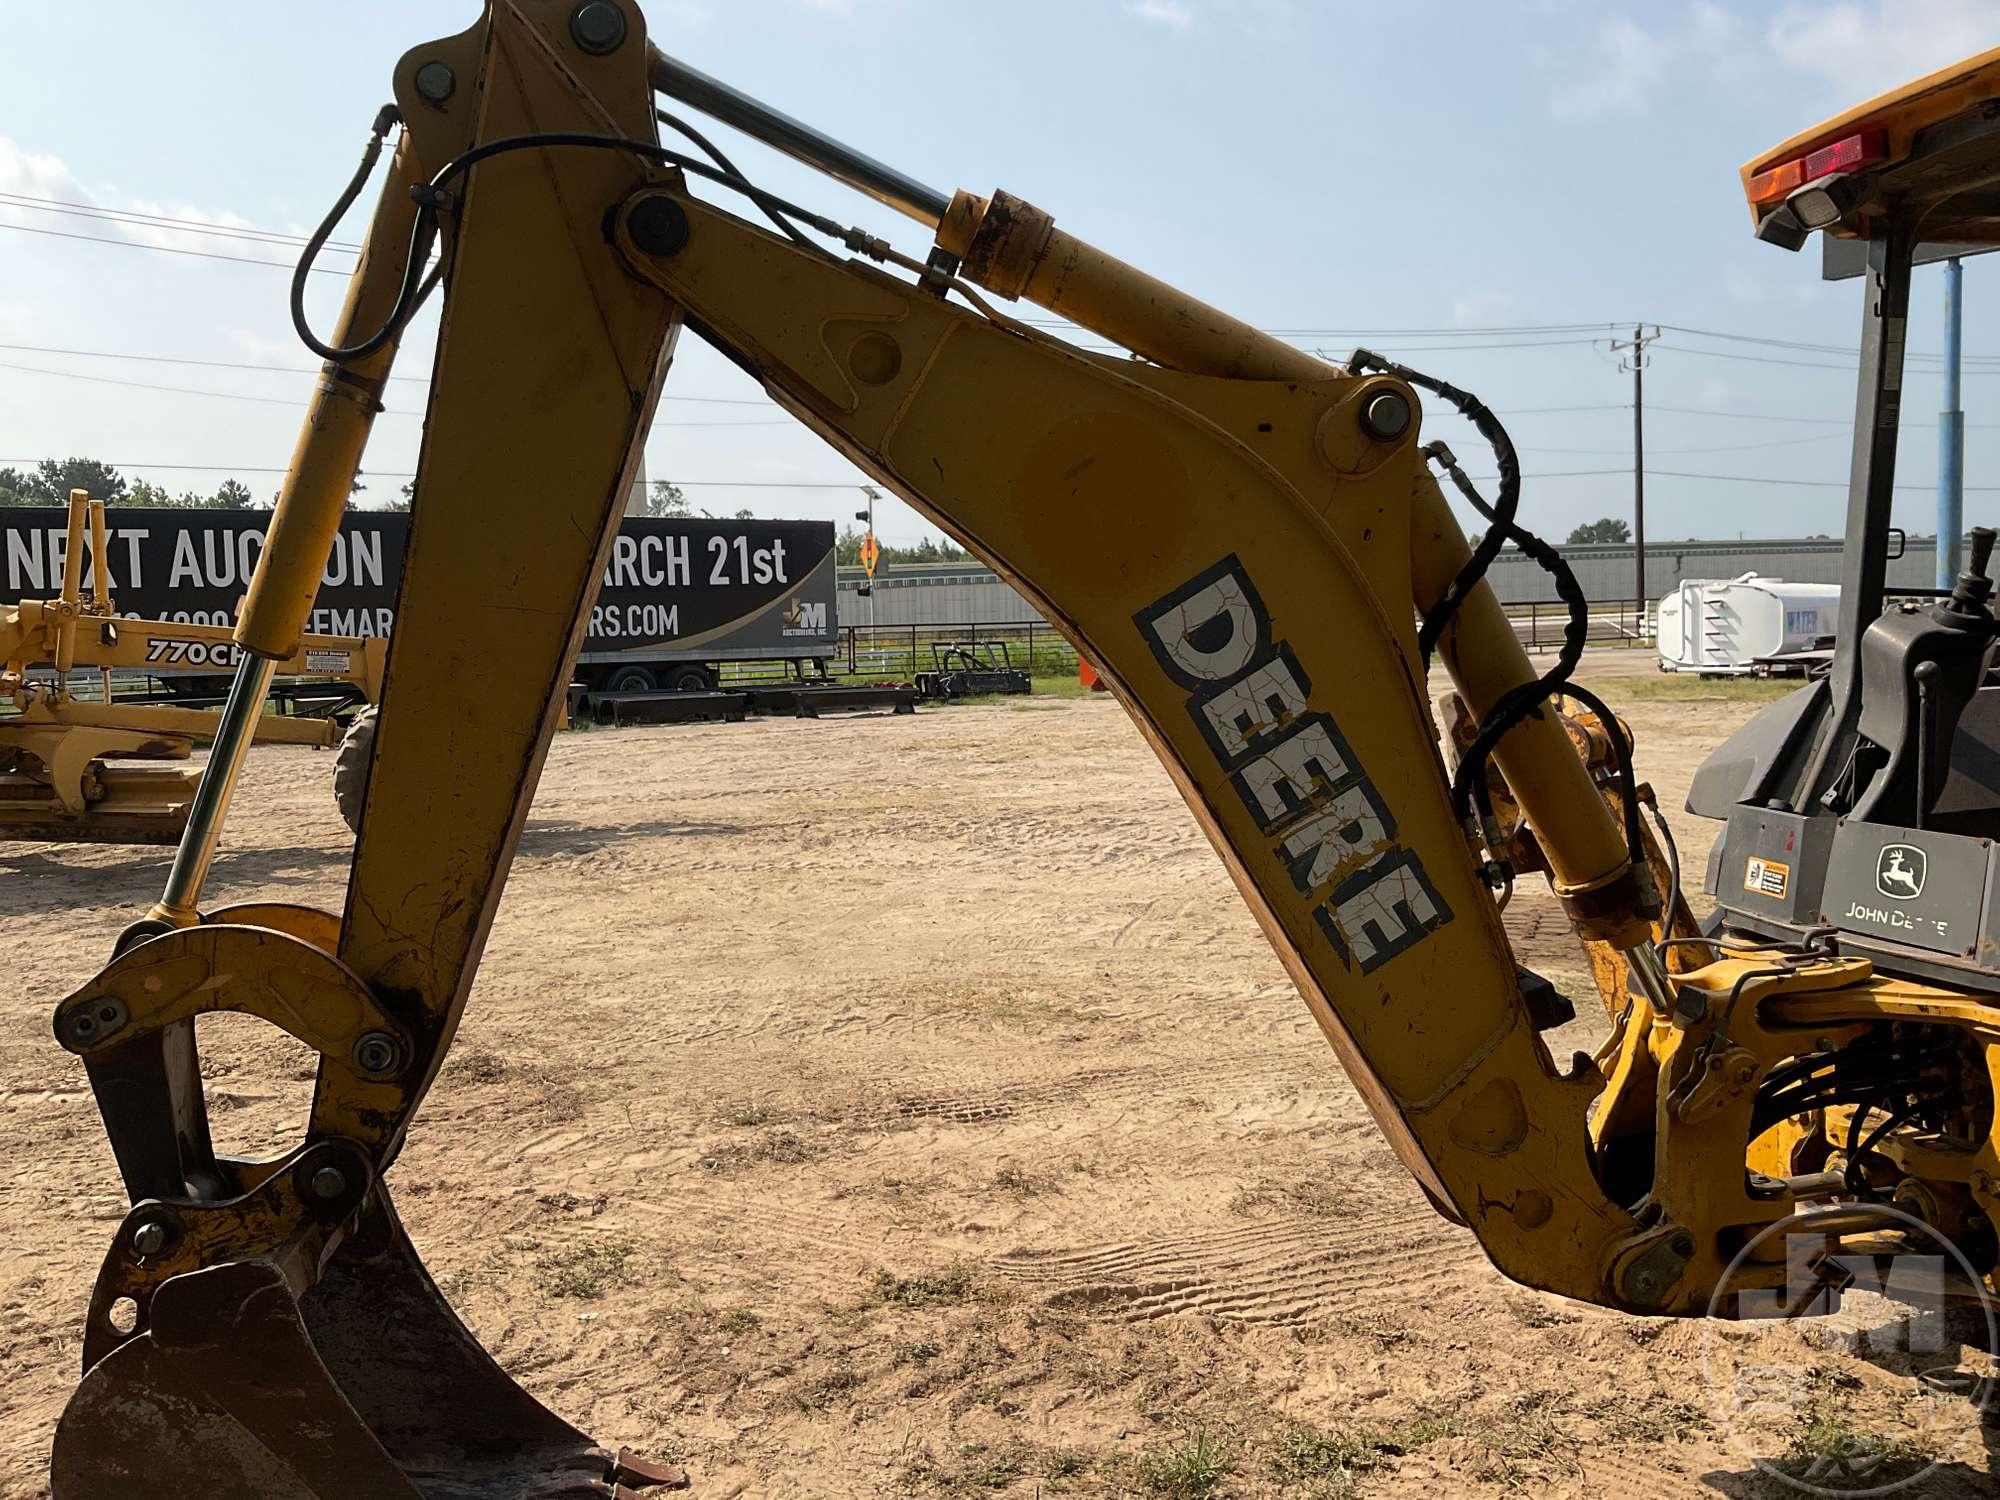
{"points": [[870, 551], [1951, 436], [1636, 362]]}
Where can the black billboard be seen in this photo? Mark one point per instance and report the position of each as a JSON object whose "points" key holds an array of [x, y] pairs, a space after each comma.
{"points": [[695, 588]]}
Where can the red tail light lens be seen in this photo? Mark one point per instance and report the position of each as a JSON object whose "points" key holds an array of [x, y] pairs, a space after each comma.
{"points": [[1846, 155], [1843, 155]]}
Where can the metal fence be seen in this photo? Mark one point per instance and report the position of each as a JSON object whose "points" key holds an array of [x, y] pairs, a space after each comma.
{"points": [[1618, 622], [899, 652]]}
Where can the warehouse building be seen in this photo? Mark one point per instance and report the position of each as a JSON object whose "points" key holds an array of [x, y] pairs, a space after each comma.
{"points": [[971, 594]]}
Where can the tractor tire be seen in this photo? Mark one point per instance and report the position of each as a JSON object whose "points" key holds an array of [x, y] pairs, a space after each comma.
{"points": [[350, 767]]}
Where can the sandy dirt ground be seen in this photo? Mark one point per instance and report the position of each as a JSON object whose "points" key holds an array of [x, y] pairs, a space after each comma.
{"points": [[909, 1106]]}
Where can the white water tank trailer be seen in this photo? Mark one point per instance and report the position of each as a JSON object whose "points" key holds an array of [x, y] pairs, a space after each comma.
{"points": [[1746, 625]]}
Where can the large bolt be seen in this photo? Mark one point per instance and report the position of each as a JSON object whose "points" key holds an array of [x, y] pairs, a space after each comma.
{"points": [[598, 27], [328, 1183], [150, 1238], [1386, 417], [376, 1053], [658, 225], [436, 82]]}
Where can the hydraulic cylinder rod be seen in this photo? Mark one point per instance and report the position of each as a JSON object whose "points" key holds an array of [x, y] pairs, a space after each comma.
{"points": [[328, 453], [717, 100], [180, 902], [303, 526]]}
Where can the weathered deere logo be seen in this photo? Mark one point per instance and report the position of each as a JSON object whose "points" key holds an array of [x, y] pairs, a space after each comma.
{"points": [[1899, 872], [1294, 770]]}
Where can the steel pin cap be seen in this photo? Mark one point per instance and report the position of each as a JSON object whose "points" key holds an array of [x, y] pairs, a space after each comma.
{"points": [[1386, 417]]}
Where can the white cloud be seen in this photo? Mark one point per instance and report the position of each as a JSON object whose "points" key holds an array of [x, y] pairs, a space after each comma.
{"points": [[257, 349], [35, 175], [30, 174], [1626, 64], [1867, 46], [179, 238], [1482, 309], [1169, 13]]}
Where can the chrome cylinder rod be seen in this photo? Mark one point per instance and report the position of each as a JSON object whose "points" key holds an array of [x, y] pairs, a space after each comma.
{"points": [[756, 119], [1649, 973], [233, 738]]}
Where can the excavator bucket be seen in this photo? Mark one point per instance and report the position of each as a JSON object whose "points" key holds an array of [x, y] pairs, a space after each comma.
{"points": [[368, 1386], [265, 1330]]}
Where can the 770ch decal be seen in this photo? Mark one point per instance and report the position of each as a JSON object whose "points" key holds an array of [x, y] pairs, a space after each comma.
{"points": [[191, 653], [1329, 828]]}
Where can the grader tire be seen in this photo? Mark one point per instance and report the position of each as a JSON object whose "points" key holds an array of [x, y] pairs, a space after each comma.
{"points": [[350, 767]]}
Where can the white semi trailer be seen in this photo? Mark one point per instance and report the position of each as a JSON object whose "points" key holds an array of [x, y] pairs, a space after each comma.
{"points": [[1747, 625]]}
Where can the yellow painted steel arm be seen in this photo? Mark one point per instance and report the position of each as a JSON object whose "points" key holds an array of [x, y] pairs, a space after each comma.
{"points": [[1232, 552]]}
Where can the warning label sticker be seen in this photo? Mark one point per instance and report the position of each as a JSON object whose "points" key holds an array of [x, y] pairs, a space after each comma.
{"points": [[1767, 877], [328, 661]]}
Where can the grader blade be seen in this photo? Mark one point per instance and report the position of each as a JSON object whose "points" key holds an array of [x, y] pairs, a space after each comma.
{"points": [[367, 1387], [120, 805]]}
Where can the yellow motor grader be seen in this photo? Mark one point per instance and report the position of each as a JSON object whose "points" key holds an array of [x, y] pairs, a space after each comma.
{"points": [[57, 748], [1253, 546]]}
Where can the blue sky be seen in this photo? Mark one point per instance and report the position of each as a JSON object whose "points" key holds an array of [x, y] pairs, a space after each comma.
{"points": [[1327, 166]]}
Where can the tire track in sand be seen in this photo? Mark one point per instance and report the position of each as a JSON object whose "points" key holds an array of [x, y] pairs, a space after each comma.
{"points": [[1273, 1271]]}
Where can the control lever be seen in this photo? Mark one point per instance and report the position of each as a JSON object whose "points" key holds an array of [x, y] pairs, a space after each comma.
{"points": [[1975, 586]]}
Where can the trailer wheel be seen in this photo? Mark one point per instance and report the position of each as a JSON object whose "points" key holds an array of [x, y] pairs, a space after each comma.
{"points": [[689, 680], [630, 679], [350, 767]]}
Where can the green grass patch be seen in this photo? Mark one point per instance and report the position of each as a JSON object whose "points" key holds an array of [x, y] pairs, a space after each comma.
{"points": [[976, 1469], [1045, 688], [946, 1288], [1682, 687], [1326, 1461], [1827, 1449], [1191, 1468], [585, 1271]]}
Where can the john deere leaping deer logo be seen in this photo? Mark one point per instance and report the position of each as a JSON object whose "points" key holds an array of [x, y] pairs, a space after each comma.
{"points": [[1899, 872]]}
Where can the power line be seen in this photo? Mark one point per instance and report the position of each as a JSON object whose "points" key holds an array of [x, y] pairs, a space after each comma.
{"points": [[1747, 338], [1816, 484], [241, 260], [182, 390], [686, 484], [206, 227], [1817, 437], [226, 364], [1797, 364]]}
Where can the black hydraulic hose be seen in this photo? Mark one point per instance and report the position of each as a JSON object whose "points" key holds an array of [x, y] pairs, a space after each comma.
{"points": [[422, 236], [435, 196], [1470, 800], [1501, 513], [676, 123], [1857, 1181]]}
